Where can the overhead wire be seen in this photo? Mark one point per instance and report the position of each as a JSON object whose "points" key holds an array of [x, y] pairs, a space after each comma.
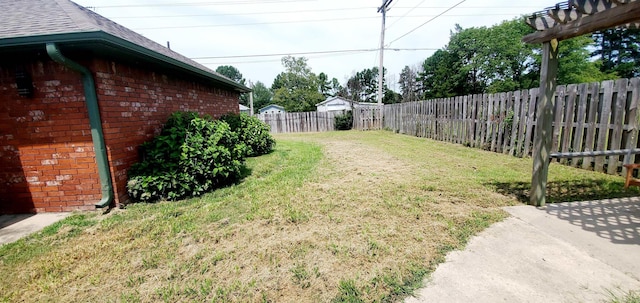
{"points": [[408, 12], [286, 54], [311, 53], [317, 56], [246, 14], [254, 23], [423, 24], [235, 2]]}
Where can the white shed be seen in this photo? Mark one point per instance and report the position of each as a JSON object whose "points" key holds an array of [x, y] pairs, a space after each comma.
{"points": [[334, 104]]}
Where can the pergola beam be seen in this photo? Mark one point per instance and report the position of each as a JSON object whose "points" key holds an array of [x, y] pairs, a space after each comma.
{"points": [[612, 17]]}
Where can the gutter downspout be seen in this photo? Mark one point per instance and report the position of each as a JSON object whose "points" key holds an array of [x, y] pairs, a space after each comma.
{"points": [[95, 122]]}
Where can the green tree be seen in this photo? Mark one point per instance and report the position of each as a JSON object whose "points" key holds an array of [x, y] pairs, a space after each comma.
{"points": [[439, 77], [297, 87], [408, 84], [336, 88], [324, 85], [262, 96], [363, 87], [574, 64], [619, 51], [470, 47], [509, 63], [231, 73], [235, 75], [495, 59], [391, 97]]}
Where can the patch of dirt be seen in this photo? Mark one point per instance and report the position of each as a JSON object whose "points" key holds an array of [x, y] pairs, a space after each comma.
{"points": [[357, 162]]}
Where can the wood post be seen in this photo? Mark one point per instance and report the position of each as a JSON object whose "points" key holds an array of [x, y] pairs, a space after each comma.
{"points": [[543, 138]]}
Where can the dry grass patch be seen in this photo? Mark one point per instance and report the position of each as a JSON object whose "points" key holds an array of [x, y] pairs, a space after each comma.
{"points": [[349, 216]]}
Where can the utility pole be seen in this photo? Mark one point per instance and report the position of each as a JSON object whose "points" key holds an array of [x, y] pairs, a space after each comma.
{"points": [[382, 9], [251, 98]]}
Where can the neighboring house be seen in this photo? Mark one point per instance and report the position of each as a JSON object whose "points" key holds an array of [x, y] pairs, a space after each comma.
{"points": [[334, 104], [272, 109], [339, 104], [244, 109], [78, 95]]}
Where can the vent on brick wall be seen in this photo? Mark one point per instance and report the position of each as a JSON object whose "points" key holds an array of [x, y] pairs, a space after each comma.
{"points": [[24, 83]]}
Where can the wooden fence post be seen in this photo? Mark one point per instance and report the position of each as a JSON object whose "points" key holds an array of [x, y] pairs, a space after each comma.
{"points": [[543, 135]]}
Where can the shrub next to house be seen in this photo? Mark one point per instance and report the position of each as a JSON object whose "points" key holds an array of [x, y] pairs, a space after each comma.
{"points": [[253, 132], [191, 156]]}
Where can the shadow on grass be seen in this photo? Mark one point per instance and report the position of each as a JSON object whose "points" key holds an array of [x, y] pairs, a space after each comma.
{"points": [[567, 190]]}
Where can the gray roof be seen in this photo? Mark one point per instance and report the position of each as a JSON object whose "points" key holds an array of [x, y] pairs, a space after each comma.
{"points": [[25, 22]]}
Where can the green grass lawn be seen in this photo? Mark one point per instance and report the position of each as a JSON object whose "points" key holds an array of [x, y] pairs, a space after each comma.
{"points": [[342, 216]]}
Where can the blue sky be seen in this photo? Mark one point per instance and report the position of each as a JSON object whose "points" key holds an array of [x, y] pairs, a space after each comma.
{"points": [[217, 28]]}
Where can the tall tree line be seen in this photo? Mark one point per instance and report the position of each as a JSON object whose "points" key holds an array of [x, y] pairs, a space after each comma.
{"points": [[475, 60], [494, 59]]}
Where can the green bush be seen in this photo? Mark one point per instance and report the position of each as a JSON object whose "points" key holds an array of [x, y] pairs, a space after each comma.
{"points": [[253, 132], [191, 156], [344, 121]]}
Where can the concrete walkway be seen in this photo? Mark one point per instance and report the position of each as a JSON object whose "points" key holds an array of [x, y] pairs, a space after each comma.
{"points": [[567, 252], [14, 227]]}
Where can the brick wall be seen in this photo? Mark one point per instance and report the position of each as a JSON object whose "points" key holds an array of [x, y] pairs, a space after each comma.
{"points": [[135, 102], [46, 151], [46, 154]]}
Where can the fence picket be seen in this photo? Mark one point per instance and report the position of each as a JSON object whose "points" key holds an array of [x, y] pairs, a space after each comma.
{"points": [[501, 116], [566, 137], [515, 122], [558, 115], [603, 130], [594, 101], [533, 102], [632, 120], [578, 137], [617, 121], [522, 128]]}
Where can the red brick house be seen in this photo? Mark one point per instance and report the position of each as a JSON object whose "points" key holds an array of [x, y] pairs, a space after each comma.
{"points": [[78, 95]]}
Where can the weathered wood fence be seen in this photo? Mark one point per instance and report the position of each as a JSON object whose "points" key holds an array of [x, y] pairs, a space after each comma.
{"points": [[587, 117], [300, 122], [367, 119]]}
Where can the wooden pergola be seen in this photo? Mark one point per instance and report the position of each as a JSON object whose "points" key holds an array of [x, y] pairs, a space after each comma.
{"points": [[566, 20]]}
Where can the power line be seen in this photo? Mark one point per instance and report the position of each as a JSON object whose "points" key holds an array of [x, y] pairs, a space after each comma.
{"points": [[473, 7], [254, 23], [289, 54], [271, 13], [421, 25], [405, 14], [235, 2], [313, 53], [246, 14], [278, 60]]}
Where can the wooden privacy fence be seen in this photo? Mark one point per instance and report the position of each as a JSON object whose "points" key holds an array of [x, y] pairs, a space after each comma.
{"points": [[587, 117], [367, 118], [300, 122]]}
